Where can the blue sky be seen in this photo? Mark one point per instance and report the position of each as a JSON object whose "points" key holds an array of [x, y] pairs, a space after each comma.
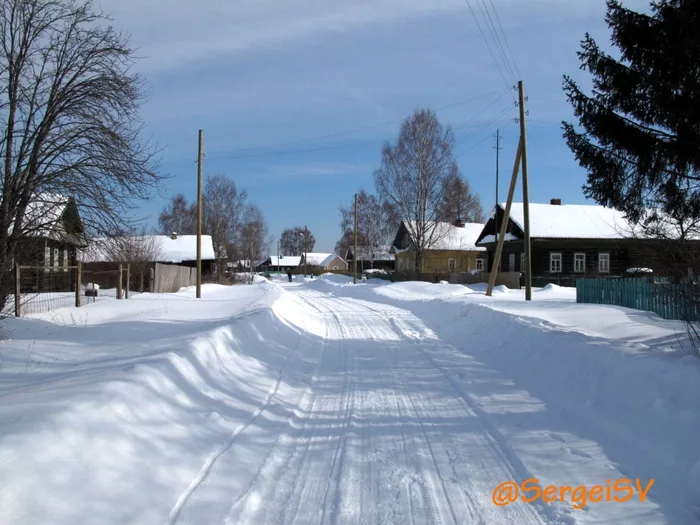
{"points": [[295, 98]]}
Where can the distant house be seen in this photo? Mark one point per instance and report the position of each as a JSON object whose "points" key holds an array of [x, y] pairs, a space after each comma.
{"points": [[326, 261], [52, 233], [453, 249], [569, 241], [282, 263], [371, 257], [166, 249]]}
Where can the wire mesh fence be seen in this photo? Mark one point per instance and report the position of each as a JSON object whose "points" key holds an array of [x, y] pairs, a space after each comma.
{"points": [[26, 290]]}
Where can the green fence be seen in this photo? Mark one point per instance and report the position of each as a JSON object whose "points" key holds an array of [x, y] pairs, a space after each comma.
{"points": [[669, 301]]}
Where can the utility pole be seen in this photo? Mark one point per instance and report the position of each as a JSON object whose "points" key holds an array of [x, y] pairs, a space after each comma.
{"points": [[199, 215], [306, 255], [526, 195], [495, 216], [354, 257], [278, 257]]}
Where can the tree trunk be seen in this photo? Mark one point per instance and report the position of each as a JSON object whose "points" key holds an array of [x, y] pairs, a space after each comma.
{"points": [[419, 262]]}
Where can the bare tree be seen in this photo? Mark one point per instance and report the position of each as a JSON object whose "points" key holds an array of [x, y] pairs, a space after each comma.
{"points": [[224, 206], [255, 238], [69, 116], [178, 217], [347, 241], [374, 224], [459, 202], [411, 177], [294, 241]]}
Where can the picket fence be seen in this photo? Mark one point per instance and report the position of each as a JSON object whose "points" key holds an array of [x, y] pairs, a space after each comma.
{"points": [[668, 300]]}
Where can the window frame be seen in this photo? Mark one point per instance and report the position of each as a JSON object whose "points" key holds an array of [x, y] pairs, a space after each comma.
{"points": [[451, 264], [600, 260], [560, 259], [577, 259], [479, 262]]}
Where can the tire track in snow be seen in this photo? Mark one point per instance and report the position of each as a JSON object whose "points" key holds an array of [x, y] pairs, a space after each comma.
{"points": [[499, 443], [211, 460]]}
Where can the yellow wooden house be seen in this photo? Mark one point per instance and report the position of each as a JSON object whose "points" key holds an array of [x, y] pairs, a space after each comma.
{"points": [[450, 248]]}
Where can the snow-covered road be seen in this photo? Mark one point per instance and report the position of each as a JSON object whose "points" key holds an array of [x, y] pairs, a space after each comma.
{"points": [[323, 404], [382, 434]]}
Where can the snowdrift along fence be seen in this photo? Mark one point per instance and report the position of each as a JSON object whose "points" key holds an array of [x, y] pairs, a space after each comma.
{"points": [[670, 301], [508, 279]]}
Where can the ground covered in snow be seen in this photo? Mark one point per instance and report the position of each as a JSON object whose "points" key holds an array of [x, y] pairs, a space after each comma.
{"points": [[320, 401]]}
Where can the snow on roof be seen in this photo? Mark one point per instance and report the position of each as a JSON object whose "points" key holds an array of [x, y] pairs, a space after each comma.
{"points": [[381, 253], [329, 259], [451, 237], [182, 248], [285, 260], [316, 259], [579, 221]]}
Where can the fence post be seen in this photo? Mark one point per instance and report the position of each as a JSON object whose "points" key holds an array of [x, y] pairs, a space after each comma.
{"points": [[119, 283], [141, 281], [128, 277], [17, 291], [78, 283]]}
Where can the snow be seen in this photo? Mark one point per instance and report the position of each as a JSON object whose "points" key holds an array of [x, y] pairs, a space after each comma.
{"points": [[320, 401], [317, 259], [493, 238], [450, 237], [285, 260], [169, 250]]}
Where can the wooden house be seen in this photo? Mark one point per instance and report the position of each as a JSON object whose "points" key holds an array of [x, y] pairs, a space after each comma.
{"points": [[568, 242], [370, 257], [451, 248]]}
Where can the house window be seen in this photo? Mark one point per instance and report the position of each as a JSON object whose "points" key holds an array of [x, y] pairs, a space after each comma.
{"points": [[580, 262], [451, 265], [479, 265], [55, 257], [65, 259], [47, 256], [335, 267], [511, 262], [522, 261], [555, 262], [604, 262]]}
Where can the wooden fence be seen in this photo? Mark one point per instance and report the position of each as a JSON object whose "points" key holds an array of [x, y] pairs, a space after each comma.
{"points": [[669, 301], [169, 278]]}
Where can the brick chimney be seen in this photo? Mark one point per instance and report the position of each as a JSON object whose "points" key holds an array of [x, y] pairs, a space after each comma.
{"points": [[459, 223], [555, 202], [173, 236]]}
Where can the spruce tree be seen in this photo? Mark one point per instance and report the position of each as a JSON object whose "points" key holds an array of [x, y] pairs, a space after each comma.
{"points": [[639, 135]]}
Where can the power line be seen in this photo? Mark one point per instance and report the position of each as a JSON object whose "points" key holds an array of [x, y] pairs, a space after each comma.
{"points": [[485, 125], [510, 122], [357, 130], [496, 61], [497, 39], [479, 113], [505, 39]]}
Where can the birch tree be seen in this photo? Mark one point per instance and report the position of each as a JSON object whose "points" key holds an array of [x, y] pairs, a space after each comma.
{"points": [[411, 177]]}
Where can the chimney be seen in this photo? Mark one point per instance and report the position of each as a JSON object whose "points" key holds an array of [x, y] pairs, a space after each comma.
{"points": [[173, 236], [555, 202], [459, 223]]}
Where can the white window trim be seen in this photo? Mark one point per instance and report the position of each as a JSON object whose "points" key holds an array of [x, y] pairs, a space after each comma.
{"points": [[65, 259], [600, 260], [552, 259], [47, 257], [56, 252], [577, 259], [480, 264]]}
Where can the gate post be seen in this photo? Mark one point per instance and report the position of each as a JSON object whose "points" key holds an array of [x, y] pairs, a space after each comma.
{"points": [[78, 283], [17, 291], [119, 283]]}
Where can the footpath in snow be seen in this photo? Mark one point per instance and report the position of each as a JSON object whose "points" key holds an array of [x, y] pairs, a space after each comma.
{"points": [[331, 403]]}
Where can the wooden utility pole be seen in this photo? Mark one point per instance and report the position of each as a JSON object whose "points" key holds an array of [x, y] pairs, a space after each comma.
{"points": [[498, 149], [128, 280], [199, 215], [306, 236], [526, 195], [278, 257], [354, 255], [504, 222]]}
